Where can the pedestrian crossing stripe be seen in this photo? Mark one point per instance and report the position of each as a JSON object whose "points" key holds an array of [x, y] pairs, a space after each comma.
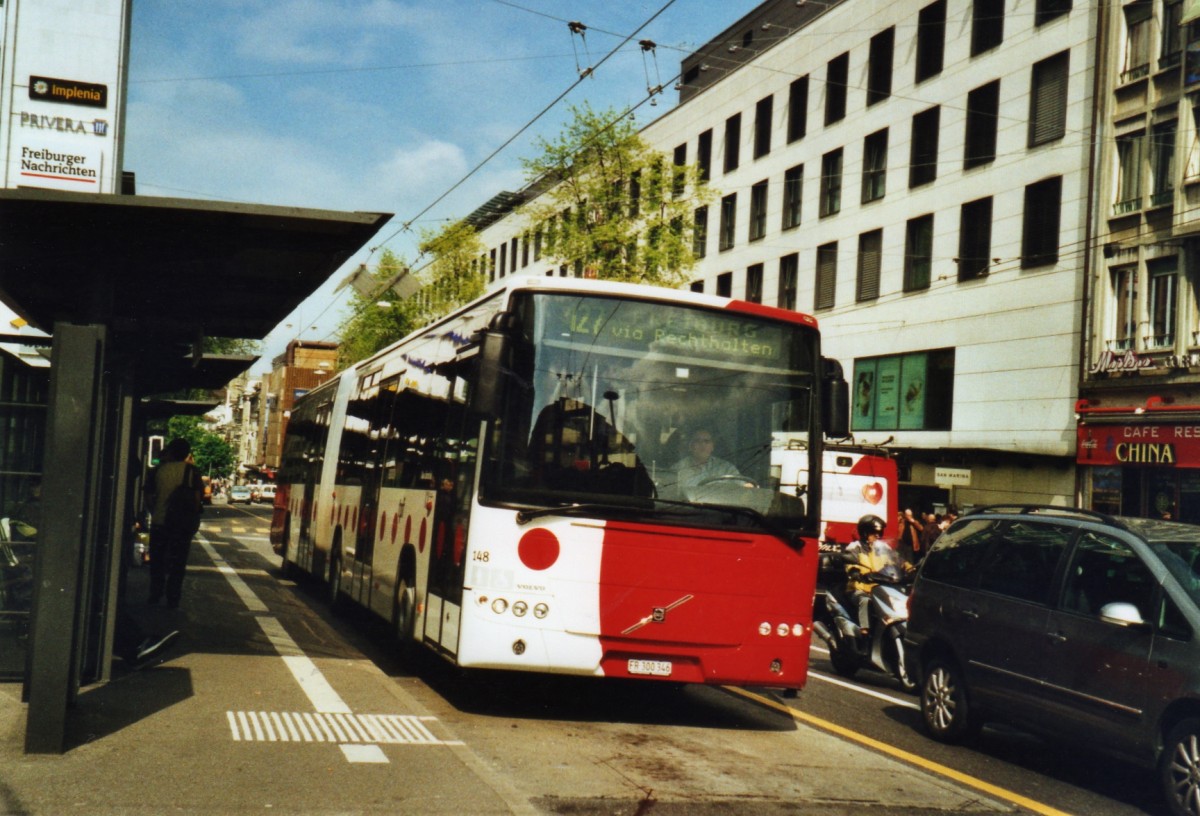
{"points": [[290, 726]]}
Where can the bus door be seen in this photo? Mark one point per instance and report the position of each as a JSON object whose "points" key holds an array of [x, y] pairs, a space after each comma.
{"points": [[316, 435], [375, 407], [454, 480]]}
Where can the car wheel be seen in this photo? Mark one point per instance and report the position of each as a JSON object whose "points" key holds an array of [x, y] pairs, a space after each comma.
{"points": [[945, 707], [1179, 768]]}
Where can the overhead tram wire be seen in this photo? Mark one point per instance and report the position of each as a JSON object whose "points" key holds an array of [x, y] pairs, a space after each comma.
{"points": [[583, 75], [592, 69]]}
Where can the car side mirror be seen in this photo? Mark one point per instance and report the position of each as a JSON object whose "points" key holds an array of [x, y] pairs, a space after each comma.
{"points": [[1121, 613]]}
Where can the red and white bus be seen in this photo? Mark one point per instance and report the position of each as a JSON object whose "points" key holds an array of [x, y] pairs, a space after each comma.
{"points": [[510, 487]]}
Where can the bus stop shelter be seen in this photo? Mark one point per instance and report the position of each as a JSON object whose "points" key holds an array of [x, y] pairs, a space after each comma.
{"points": [[129, 287]]}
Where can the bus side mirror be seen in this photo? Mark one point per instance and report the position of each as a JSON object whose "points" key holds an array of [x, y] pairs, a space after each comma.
{"points": [[491, 374], [835, 400]]}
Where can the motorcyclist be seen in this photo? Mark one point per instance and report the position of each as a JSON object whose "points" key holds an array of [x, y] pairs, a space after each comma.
{"points": [[865, 557]]}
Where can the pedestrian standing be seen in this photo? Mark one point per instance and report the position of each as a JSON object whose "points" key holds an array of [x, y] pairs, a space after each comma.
{"points": [[177, 493]]}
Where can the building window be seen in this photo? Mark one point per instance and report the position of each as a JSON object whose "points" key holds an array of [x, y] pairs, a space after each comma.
{"points": [[1047, 10], [512, 255], [826, 283], [837, 72], [983, 107], [754, 283], [1171, 47], [918, 253], [987, 25], [537, 242], [1137, 40], [831, 183], [879, 66], [1162, 272], [525, 250], [700, 232], [1048, 100], [923, 155], [793, 188], [503, 258], [975, 239], [758, 211], [797, 123], [870, 258], [697, 286], [762, 126], [725, 284], [1129, 173], [905, 392], [678, 174], [931, 40], [1124, 290], [635, 193], [1162, 164], [789, 273], [728, 222], [874, 180], [1039, 235], [704, 155], [733, 138]]}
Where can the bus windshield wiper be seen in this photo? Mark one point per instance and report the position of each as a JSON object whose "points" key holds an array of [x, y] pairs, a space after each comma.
{"points": [[526, 516], [745, 512]]}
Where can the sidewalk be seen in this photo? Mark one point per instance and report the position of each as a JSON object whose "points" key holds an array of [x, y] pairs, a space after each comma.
{"points": [[168, 737]]}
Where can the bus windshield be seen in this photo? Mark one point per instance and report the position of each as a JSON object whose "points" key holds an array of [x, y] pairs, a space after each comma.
{"points": [[652, 409]]}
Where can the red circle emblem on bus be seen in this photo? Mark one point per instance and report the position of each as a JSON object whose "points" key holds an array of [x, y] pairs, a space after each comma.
{"points": [[421, 539], [538, 549]]}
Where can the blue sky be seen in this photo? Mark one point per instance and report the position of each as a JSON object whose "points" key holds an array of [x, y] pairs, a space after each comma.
{"points": [[378, 105]]}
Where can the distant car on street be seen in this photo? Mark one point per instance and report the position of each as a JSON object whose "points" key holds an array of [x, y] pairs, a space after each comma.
{"points": [[239, 493], [266, 494], [1073, 624]]}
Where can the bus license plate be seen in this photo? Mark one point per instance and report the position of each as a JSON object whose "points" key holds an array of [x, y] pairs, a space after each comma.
{"points": [[655, 668]]}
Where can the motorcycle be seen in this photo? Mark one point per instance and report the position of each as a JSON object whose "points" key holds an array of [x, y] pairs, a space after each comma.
{"points": [[882, 648]]}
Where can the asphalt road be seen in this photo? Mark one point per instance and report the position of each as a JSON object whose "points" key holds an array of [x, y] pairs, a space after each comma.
{"points": [[582, 746]]}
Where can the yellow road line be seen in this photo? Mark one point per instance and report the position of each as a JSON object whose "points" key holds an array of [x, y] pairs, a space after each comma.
{"points": [[904, 756]]}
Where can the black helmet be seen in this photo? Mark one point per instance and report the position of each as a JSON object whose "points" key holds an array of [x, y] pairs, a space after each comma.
{"points": [[869, 525]]}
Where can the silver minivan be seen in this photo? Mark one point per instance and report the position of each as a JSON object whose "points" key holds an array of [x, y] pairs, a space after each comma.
{"points": [[1068, 623]]}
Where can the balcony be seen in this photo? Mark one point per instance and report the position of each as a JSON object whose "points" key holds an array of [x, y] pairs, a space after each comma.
{"points": [[1135, 73], [1163, 198], [1127, 206]]}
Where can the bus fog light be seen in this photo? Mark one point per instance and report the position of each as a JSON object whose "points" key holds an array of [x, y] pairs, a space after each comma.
{"points": [[540, 611], [777, 666], [764, 628], [798, 629], [519, 647], [520, 608], [782, 630], [499, 606]]}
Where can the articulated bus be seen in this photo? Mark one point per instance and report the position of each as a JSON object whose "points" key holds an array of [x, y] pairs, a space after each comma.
{"points": [[512, 486]]}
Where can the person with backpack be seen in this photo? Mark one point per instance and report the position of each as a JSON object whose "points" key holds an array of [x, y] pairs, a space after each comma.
{"points": [[177, 491]]}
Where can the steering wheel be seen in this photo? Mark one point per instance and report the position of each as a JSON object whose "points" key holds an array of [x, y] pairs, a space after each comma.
{"points": [[729, 477]]}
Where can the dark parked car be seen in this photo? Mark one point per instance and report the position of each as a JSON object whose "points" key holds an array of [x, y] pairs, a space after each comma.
{"points": [[1068, 623]]}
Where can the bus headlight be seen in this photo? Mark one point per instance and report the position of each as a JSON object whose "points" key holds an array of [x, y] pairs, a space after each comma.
{"points": [[499, 606]]}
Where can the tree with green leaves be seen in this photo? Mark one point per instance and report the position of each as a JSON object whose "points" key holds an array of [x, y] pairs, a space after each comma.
{"points": [[214, 457], [614, 208], [452, 277], [378, 315]]}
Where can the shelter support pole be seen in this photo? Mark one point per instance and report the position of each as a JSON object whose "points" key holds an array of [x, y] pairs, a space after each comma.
{"points": [[67, 534]]}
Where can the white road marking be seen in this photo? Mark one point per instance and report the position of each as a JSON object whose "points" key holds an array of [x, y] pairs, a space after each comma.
{"points": [[358, 735]]}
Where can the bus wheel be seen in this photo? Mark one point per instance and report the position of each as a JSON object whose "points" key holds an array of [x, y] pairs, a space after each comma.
{"points": [[406, 613], [335, 584], [287, 570]]}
